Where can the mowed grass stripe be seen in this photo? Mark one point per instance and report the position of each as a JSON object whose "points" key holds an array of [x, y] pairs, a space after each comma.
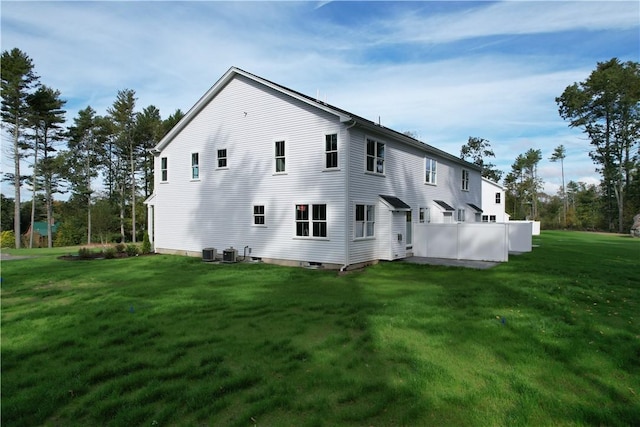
{"points": [[550, 338]]}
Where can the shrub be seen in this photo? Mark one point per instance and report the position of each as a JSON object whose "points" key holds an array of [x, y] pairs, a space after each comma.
{"points": [[69, 233], [146, 244], [85, 253], [110, 252], [132, 249], [8, 239], [120, 247]]}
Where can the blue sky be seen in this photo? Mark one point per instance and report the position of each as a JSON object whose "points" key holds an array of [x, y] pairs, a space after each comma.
{"points": [[444, 70]]}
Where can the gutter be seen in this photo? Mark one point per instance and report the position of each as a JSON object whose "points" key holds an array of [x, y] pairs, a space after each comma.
{"points": [[347, 237]]}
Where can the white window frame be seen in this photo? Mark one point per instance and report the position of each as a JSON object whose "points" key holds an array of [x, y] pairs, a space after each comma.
{"points": [[313, 226], [224, 158], [424, 215], [498, 198], [364, 221], [377, 157], [259, 213], [492, 218], [431, 171], [461, 214], [164, 169], [465, 180], [330, 151], [485, 218], [195, 166], [282, 157]]}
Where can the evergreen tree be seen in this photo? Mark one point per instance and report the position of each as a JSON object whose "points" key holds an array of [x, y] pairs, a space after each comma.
{"points": [[18, 78], [477, 150]]}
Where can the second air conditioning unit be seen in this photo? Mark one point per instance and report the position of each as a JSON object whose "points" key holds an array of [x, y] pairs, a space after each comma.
{"points": [[230, 255]]}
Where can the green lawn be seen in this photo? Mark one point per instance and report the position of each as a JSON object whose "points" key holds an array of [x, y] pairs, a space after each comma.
{"points": [[550, 338]]}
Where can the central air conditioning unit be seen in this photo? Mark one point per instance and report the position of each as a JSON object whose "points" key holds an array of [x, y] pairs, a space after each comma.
{"points": [[209, 254], [230, 255]]}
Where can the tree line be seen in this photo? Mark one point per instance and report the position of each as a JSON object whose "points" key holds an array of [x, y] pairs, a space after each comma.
{"points": [[114, 149]]}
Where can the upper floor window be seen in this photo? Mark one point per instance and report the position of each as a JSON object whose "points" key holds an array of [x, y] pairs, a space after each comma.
{"points": [[222, 158], [280, 158], [465, 180], [375, 156], [195, 166], [316, 225], [164, 171], [430, 171], [331, 151], [258, 215], [365, 220], [498, 198]]}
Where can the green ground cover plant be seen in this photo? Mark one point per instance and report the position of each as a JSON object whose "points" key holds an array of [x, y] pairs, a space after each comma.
{"points": [[550, 338]]}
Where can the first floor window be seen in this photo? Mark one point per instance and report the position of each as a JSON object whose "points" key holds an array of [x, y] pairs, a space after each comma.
{"points": [[461, 213], [195, 166], [314, 224], [258, 215], [375, 156], [222, 158], [465, 180], [280, 158], [164, 169], [485, 218], [365, 220], [498, 198], [331, 151], [492, 218], [430, 171], [424, 215]]}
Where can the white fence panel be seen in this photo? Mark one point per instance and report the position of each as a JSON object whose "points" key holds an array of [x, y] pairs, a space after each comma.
{"points": [[520, 236], [471, 241]]}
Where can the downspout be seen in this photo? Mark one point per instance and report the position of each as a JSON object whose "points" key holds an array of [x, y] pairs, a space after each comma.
{"points": [[347, 237]]}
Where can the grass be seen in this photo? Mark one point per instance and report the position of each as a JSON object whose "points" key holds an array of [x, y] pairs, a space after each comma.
{"points": [[550, 338]]}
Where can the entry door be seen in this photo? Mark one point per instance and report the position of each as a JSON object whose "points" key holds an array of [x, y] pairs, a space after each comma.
{"points": [[398, 235], [409, 231]]}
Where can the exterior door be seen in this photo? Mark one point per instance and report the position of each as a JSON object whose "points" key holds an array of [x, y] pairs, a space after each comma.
{"points": [[409, 231], [398, 235]]}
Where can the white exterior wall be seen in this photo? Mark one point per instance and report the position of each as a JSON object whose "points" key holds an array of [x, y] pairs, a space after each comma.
{"points": [[247, 118], [404, 178], [489, 205]]}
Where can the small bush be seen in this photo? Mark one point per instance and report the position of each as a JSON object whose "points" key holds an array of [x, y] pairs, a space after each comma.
{"points": [[85, 253], [146, 244], [132, 249], [110, 252], [120, 247], [8, 239]]}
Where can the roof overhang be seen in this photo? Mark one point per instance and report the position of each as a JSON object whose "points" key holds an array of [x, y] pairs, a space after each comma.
{"points": [[395, 204], [477, 209], [444, 205]]}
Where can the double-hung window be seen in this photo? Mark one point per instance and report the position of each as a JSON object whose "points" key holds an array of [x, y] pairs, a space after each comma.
{"points": [[222, 158], [430, 171], [498, 198], [331, 151], [258, 215], [465, 180], [365, 221], [314, 225], [164, 170], [279, 156], [375, 156], [195, 166], [461, 215], [424, 215]]}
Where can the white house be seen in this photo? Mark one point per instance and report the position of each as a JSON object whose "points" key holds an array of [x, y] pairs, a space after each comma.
{"points": [[493, 202], [286, 178]]}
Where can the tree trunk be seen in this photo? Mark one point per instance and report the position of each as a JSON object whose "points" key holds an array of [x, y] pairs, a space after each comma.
{"points": [[133, 196], [16, 184], [33, 193]]}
